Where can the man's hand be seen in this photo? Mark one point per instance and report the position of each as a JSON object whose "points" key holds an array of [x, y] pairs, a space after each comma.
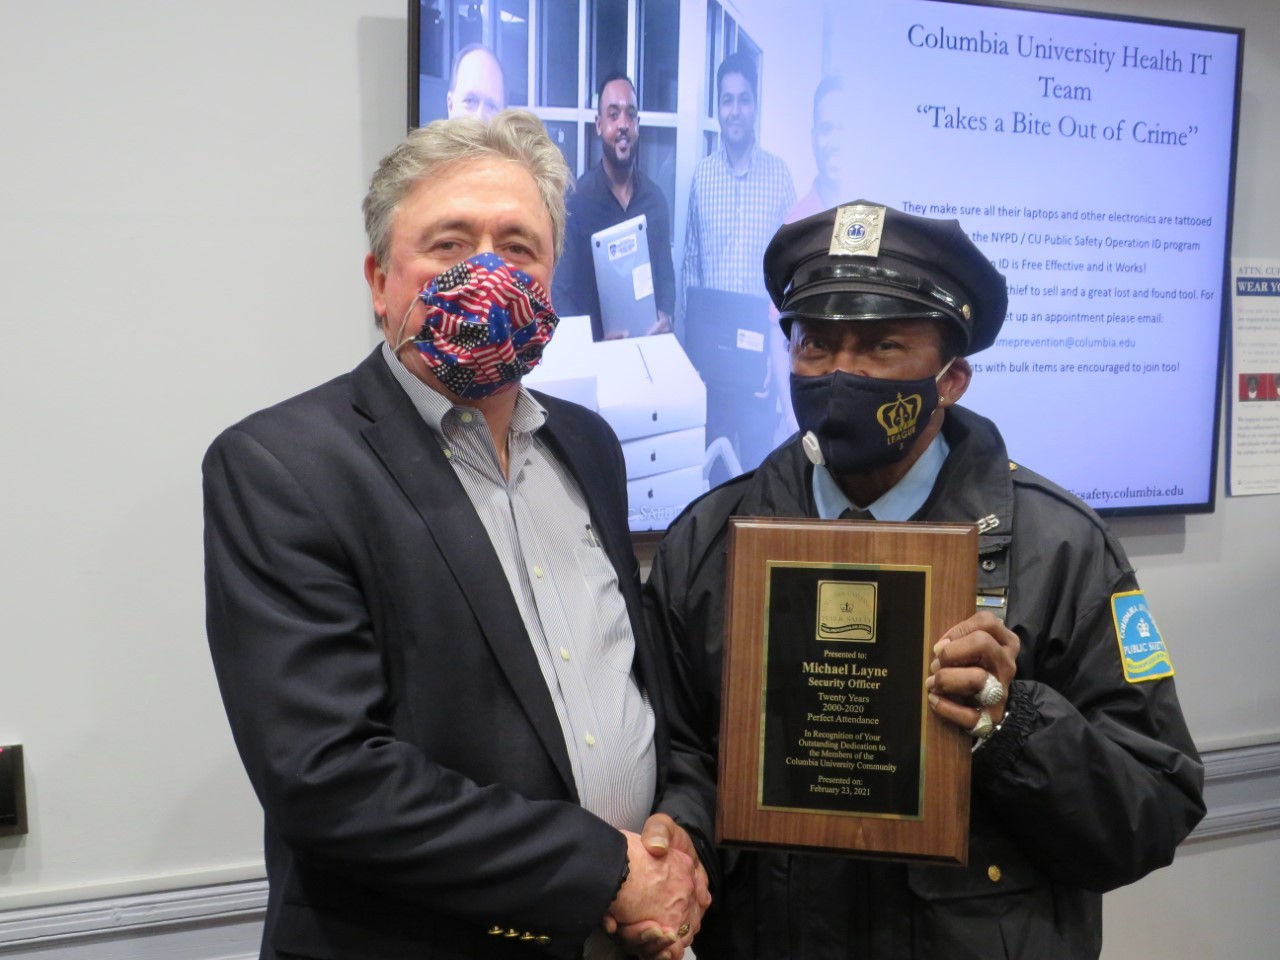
{"points": [[661, 325], [659, 909], [963, 659]]}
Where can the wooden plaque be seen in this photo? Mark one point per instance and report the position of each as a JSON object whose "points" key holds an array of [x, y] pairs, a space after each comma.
{"points": [[827, 741]]}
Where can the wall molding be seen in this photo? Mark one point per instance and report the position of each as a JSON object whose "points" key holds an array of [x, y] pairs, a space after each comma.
{"points": [[1242, 790], [91, 918]]}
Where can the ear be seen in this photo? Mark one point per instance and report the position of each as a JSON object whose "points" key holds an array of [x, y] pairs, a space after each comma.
{"points": [[448, 104], [599, 121], [377, 280], [954, 382]]}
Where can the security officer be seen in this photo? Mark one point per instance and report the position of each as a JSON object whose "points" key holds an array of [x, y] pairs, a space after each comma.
{"points": [[1084, 775]]}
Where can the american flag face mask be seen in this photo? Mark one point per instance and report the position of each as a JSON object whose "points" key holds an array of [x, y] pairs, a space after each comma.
{"points": [[486, 325]]}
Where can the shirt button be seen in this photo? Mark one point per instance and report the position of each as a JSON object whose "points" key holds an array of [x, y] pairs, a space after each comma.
{"points": [[564, 653], [448, 454], [466, 417], [993, 872], [537, 572], [591, 740]]}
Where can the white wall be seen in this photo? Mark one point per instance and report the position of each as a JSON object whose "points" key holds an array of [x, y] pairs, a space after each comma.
{"points": [[1216, 900], [180, 191], [180, 243]]}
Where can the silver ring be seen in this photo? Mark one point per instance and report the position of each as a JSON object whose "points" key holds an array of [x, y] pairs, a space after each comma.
{"points": [[984, 727], [992, 691]]}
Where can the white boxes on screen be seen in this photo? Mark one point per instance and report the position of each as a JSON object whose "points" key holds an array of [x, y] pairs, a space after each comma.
{"points": [[649, 392]]}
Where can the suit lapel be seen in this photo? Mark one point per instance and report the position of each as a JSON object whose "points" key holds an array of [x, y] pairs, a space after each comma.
{"points": [[409, 451]]}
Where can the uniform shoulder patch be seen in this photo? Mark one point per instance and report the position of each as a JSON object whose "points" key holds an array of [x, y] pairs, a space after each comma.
{"points": [[1142, 650]]}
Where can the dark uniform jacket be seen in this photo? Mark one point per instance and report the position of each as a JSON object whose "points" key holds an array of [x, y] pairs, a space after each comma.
{"points": [[1091, 782]]}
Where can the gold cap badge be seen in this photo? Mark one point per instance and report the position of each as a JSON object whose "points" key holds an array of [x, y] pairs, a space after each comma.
{"points": [[857, 231]]}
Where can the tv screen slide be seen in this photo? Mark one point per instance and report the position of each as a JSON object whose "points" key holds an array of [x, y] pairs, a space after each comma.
{"points": [[1090, 157]]}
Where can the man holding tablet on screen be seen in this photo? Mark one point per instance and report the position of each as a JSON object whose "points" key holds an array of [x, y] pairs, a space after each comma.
{"points": [[1084, 775], [615, 191]]}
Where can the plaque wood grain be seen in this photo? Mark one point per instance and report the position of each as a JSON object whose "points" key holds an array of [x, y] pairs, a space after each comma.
{"points": [[942, 556]]}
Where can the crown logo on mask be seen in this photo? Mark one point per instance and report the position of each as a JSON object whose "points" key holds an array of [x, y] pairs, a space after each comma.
{"points": [[899, 417]]}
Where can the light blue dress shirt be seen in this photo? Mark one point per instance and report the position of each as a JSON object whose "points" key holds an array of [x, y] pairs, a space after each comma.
{"points": [[899, 502]]}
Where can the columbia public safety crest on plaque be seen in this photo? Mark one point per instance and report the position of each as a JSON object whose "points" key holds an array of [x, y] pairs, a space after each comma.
{"points": [[846, 610], [857, 231]]}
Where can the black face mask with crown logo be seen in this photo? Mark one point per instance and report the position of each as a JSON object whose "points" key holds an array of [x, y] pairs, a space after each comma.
{"points": [[854, 423]]}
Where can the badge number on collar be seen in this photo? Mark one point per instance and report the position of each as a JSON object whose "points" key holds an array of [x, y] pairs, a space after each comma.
{"points": [[1142, 650]]}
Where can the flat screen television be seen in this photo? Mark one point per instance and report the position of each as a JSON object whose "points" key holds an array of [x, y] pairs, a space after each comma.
{"points": [[1090, 156]]}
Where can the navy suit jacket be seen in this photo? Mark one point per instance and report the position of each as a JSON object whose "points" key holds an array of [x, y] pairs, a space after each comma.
{"points": [[383, 692]]}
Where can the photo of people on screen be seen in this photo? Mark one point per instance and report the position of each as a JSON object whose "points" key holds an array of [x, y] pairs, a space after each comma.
{"points": [[477, 87], [625, 287], [1259, 386], [833, 115], [739, 196], [833, 112], [739, 118]]}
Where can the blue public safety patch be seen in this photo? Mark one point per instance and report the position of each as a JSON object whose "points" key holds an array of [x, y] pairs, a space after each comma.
{"points": [[1142, 649]]}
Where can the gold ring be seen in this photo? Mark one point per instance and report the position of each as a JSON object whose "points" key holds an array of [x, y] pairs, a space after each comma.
{"points": [[683, 930]]}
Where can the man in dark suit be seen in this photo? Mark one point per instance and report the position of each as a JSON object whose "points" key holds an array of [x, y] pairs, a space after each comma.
{"points": [[424, 614]]}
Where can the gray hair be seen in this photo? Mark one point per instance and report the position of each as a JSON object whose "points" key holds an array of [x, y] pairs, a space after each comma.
{"points": [[515, 135]]}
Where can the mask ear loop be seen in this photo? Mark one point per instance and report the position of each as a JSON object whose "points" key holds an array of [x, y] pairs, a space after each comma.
{"points": [[404, 341], [942, 373]]}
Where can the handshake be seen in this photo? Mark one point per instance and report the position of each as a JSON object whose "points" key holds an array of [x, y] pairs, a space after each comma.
{"points": [[659, 908]]}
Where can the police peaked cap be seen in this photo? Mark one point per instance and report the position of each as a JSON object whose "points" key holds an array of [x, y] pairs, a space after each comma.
{"points": [[866, 261]]}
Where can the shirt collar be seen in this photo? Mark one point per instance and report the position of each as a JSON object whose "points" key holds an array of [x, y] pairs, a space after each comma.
{"points": [[751, 159], [433, 406], [899, 502]]}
